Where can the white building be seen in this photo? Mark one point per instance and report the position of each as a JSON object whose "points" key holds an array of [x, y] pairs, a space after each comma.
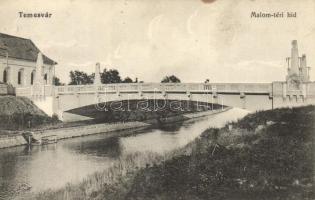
{"points": [[18, 62]]}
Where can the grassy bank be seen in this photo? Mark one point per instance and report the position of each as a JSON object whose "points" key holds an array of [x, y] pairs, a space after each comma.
{"points": [[108, 184], [18, 113], [265, 155]]}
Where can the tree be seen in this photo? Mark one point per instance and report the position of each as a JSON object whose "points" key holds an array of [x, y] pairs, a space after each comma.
{"points": [[127, 80], [57, 81], [110, 76], [80, 78], [170, 79]]}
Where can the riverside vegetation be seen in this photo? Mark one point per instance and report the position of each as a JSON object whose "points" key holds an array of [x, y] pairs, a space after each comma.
{"points": [[265, 155], [17, 113]]}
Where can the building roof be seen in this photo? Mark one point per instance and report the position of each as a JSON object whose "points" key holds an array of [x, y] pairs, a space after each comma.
{"points": [[21, 48]]}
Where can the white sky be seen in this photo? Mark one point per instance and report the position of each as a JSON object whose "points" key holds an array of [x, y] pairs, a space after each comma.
{"points": [[150, 39]]}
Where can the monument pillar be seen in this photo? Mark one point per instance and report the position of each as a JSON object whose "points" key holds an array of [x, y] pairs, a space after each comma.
{"points": [[97, 78], [294, 68], [37, 89], [97, 82]]}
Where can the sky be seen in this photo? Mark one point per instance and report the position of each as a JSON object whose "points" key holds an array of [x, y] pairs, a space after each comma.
{"points": [[192, 39]]}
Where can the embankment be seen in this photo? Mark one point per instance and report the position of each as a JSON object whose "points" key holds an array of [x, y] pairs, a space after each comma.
{"points": [[265, 155], [11, 141], [19, 113]]}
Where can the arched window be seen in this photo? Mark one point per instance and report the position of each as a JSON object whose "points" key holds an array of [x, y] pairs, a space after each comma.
{"points": [[45, 78], [5, 76], [20, 77], [32, 77]]}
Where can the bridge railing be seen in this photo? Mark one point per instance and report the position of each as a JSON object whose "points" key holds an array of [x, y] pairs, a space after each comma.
{"points": [[23, 91], [46, 91], [3, 89], [217, 87], [240, 87]]}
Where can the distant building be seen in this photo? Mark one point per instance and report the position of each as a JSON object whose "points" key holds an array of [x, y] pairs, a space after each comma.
{"points": [[18, 62]]}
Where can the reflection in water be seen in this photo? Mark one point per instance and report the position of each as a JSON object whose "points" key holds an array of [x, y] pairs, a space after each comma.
{"points": [[97, 146], [170, 127], [160, 141], [24, 169]]}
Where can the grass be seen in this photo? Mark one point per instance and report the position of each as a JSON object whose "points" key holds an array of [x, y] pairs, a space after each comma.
{"points": [[112, 180], [18, 113], [274, 161]]}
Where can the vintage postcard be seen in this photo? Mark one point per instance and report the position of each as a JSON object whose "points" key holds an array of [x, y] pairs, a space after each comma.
{"points": [[157, 99]]}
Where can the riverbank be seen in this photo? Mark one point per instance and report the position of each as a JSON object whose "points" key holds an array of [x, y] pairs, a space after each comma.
{"points": [[19, 113], [16, 139], [265, 155]]}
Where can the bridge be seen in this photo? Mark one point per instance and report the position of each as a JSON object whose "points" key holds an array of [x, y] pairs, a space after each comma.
{"points": [[297, 90], [250, 96]]}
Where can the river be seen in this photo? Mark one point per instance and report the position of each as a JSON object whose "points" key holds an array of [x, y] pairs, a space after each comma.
{"points": [[24, 169]]}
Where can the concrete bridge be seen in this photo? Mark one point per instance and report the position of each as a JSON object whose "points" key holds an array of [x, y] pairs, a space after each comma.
{"points": [[297, 90], [250, 96]]}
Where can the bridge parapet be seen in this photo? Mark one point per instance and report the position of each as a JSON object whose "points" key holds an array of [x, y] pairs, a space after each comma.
{"points": [[263, 88], [252, 96], [47, 91]]}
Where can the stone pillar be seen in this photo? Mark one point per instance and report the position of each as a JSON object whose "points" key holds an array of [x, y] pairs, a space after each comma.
{"points": [[304, 90], [97, 78], [38, 86], [39, 69], [284, 91], [294, 68], [304, 74]]}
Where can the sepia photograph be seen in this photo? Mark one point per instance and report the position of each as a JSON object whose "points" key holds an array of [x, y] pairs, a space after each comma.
{"points": [[157, 100]]}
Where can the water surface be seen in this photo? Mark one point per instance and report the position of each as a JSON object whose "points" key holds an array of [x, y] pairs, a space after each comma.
{"points": [[24, 169]]}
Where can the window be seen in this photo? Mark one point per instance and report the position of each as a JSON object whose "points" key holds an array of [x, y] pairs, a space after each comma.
{"points": [[45, 78], [19, 77], [32, 77], [5, 76]]}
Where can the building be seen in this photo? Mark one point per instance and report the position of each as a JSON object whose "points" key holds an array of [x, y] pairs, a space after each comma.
{"points": [[18, 58]]}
